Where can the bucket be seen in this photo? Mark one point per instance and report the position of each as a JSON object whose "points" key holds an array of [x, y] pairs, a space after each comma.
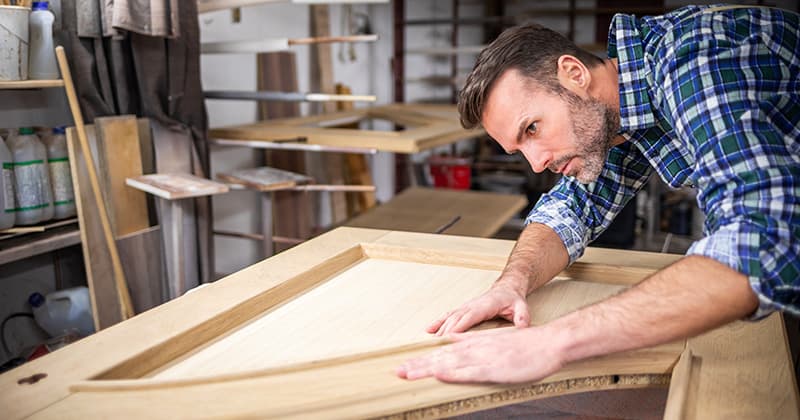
{"points": [[14, 42], [451, 172]]}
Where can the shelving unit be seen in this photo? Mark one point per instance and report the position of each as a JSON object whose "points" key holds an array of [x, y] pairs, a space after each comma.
{"points": [[56, 235]]}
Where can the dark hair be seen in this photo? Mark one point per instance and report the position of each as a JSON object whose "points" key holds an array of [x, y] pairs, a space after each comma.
{"points": [[530, 48]]}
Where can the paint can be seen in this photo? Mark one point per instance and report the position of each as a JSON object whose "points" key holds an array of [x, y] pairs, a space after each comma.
{"points": [[14, 42], [451, 172]]}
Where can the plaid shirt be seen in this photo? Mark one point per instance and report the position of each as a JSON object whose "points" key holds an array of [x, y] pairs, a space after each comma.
{"points": [[708, 99]]}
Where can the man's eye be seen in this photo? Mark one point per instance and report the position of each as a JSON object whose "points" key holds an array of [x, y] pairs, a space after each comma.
{"points": [[531, 128]]}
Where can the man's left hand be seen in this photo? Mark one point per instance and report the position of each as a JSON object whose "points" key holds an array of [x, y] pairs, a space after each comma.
{"points": [[507, 355]]}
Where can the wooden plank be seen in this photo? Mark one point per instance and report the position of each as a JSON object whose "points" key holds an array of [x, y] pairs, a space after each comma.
{"points": [[265, 178], [426, 210], [119, 158], [176, 186], [106, 306], [143, 261], [292, 210]]}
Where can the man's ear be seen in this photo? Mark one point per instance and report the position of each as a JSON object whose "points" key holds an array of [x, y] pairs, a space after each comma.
{"points": [[573, 74]]}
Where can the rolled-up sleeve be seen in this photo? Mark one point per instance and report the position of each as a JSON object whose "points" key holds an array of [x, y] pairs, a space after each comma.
{"points": [[752, 201], [764, 249], [579, 213]]}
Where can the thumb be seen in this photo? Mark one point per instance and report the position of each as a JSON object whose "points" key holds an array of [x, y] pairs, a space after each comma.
{"points": [[522, 318]]}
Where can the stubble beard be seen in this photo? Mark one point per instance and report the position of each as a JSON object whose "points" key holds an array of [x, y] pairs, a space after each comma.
{"points": [[594, 125]]}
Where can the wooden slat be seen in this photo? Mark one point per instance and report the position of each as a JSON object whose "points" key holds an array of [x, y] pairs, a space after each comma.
{"points": [[119, 157], [31, 84], [176, 186]]}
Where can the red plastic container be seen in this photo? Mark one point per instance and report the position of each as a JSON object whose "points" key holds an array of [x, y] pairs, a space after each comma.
{"points": [[450, 172]]}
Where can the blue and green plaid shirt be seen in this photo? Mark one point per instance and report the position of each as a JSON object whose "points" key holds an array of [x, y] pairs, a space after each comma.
{"points": [[710, 99]]}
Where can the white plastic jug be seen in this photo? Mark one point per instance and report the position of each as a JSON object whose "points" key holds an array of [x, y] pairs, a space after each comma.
{"points": [[60, 176], [63, 311], [7, 199], [42, 62], [31, 178]]}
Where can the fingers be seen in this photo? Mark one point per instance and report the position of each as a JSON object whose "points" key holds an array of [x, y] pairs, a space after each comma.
{"points": [[435, 325], [454, 363], [465, 322]]}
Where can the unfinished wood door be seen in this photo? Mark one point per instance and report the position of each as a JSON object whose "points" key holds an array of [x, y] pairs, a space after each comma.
{"points": [[317, 331]]}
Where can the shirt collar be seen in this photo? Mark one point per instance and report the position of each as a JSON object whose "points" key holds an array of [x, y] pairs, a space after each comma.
{"points": [[625, 44]]}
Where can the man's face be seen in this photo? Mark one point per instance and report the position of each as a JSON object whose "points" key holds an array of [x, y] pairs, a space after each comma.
{"points": [[563, 133]]}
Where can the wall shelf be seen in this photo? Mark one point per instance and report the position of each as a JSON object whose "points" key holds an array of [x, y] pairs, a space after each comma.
{"points": [[24, 246], [31, 84]]}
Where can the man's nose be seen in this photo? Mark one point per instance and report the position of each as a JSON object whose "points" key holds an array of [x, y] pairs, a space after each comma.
{"points": [[539, 160]]}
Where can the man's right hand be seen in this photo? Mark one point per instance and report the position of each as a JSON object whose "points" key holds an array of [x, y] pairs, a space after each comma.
{"points": [[499, 301]]}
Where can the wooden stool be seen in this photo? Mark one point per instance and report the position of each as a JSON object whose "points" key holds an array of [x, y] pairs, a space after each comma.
{"points": [[268, 180], [173, 188]]}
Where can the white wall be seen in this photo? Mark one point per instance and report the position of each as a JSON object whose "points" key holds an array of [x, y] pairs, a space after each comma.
{"points": [[369, 73]]}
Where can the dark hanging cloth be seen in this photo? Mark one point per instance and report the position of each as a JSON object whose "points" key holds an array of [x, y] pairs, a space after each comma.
{"points": [[156, 77]]}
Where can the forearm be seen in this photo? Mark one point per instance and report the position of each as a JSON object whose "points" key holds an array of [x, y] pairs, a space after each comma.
{"points": [[537, 257], [687, 298]]}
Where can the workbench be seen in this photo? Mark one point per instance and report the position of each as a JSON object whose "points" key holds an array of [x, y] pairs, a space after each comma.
{"points": [[317, 331], [439, 210]]}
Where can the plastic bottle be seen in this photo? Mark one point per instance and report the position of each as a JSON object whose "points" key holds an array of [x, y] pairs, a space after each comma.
{"points": [[60, 176], [31, 181], [63, 311], [42, 61], [7, 199]]}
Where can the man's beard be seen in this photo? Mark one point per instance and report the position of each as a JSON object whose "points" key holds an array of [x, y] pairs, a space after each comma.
{"points": [[594, 125]]}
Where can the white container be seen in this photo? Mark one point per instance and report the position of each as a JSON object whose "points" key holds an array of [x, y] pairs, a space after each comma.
{"points": [[14, 38], [31, 179], [42, 62], [7, 199], [64, 311], [60, 175]]}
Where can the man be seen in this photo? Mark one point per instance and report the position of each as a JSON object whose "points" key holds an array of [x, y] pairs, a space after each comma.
{"points": [[704, 97]]}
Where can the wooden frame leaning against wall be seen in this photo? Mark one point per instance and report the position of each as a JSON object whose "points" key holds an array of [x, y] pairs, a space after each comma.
{"points": [[408, 128]]}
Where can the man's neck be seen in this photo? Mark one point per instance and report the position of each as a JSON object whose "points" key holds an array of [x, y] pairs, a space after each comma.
{"points": [[605, 82]]}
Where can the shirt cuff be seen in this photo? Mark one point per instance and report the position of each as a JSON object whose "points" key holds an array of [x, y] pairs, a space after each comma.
{"points": [[556, 216], [724, 246]]}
